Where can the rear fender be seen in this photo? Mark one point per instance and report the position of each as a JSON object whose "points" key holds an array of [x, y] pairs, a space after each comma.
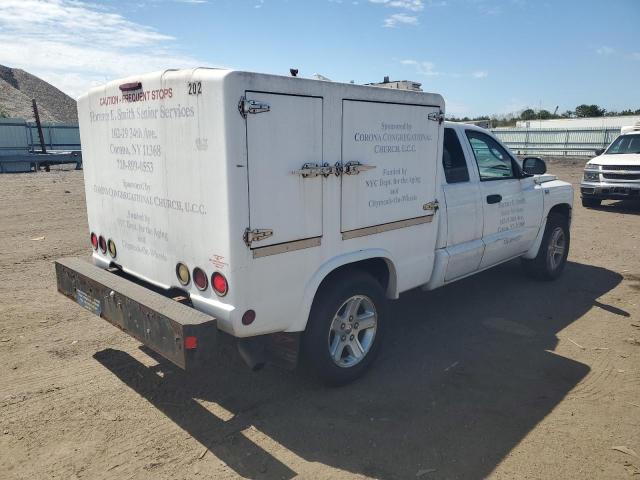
{"points": [[311, 288]]}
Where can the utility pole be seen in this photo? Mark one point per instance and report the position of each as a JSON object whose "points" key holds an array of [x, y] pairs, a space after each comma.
{"points": [[39, 125]]}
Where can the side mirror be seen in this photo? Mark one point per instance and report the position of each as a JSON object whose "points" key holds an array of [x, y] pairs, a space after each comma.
{"points": [[599, 151], [534, 166]]}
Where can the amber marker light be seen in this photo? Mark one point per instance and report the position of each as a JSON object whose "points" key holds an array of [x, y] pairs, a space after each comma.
{"points": [[182, 272], [111, 246]]}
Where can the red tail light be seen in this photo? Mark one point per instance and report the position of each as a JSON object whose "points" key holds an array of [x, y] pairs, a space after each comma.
{"points": [[94, 241], [200, 279], [103, 244], [220, 285], [248, 317], [190, 343]]}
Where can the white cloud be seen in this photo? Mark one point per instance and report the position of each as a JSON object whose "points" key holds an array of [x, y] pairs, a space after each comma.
{"points": [[76, 45], [423, 68], [406, 16], [400, 18], [429, 69], [487, 7], [411, 5], [604, 50]]}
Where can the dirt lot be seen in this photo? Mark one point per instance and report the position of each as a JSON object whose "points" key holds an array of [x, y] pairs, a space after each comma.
{"points": [[496, 376]]}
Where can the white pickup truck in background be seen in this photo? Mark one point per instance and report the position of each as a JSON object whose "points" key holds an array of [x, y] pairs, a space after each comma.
{"points": [[285, 212], [615, 173]]}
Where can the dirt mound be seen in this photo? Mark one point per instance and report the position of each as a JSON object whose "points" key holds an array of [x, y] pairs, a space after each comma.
{"points": [[18, 87]]}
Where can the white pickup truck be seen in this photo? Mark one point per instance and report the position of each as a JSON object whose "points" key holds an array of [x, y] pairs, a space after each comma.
{"points": [[615, 173], [285, 212]]}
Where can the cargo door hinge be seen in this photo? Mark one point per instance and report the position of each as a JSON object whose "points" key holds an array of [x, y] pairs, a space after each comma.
{"points": [[436, 116], [434, 206], [256, 235], [247, 106]]}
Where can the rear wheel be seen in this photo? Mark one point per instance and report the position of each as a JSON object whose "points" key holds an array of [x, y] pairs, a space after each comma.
{"points": [[554, 249], [591, 202], [345, 327]]}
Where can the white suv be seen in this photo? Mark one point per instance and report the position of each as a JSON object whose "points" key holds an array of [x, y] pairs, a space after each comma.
{"points": [[615, 173]]}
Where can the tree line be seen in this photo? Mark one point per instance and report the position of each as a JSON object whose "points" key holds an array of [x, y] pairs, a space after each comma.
{"points": [[581, 111]]}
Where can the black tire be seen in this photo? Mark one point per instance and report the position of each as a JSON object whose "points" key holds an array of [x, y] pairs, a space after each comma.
{"points": [[542, 267], [591, 202], [329, 302]]}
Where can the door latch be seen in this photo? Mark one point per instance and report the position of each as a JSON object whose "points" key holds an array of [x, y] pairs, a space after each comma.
{"points": [[310, 170], [354, 168], [434, 206]]}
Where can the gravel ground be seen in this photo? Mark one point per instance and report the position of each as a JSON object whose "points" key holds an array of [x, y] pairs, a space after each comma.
{"points": [[495, 376]]}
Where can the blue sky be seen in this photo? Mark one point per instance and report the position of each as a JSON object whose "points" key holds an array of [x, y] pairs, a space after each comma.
{"points": [[484, 56]]}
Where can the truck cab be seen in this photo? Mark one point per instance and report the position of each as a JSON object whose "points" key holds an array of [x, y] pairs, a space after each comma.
{"points": [[494, 208], [286, 212]]}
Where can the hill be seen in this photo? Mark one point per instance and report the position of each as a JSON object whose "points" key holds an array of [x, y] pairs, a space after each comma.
{"points": [[18, 87]]}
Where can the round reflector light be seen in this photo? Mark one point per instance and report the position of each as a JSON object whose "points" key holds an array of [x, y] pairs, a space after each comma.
{"points": [[220, 285], [248, 317], [182, 272], [200, 279], [103, 244], [111, 246], [94, 241]]}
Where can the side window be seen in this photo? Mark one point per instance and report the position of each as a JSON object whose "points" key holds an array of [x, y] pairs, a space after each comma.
{"points": [[493, 161], [453, 161]]}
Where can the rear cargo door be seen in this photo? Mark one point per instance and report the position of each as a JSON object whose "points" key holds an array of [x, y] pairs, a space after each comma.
{"points": [[280, 140], [389, 155]]}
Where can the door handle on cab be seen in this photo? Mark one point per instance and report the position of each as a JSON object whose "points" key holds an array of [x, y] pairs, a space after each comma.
{"points": [[495, 198]]}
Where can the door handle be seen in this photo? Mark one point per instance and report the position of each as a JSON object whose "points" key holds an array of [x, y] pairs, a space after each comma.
{"points": [[495, 198], [354, 168]]}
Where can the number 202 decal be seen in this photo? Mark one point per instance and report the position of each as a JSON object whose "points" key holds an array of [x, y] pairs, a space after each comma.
{"points": [[195, 88]]}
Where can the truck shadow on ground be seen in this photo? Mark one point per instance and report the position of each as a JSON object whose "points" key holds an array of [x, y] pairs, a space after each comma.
{"points": [[464, 375]]}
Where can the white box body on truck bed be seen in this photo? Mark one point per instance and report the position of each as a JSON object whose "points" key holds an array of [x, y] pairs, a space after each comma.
{"points": [[266, 200]]}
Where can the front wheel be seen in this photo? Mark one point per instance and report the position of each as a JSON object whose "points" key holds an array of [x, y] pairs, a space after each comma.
{"points": [[554, 249], [345, 327]]}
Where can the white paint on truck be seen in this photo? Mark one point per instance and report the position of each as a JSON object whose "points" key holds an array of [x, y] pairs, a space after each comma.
{"points": [[276, 182]]}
